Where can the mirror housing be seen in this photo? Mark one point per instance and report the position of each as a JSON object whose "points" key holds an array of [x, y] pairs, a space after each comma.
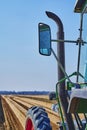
{"points": [[44, 39]]}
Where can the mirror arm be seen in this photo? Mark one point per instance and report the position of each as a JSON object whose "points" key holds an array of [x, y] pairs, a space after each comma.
{"points": [[60, 65], [70, 41], [59, 40]]}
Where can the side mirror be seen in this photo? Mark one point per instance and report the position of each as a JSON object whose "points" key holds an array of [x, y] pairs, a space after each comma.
{"points": [[44, 39]]}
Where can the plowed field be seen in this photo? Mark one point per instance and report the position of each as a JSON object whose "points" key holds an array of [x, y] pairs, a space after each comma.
{"points": [[15, 108]]}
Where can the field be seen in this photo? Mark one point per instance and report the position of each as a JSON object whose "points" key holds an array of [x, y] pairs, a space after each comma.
{"points": [[15, 108]]}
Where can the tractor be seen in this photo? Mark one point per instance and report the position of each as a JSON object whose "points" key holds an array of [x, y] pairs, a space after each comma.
{"points": [[71, 96]]}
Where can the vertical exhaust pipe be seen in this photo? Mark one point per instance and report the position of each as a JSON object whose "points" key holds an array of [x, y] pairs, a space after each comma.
{"points": [[61, 56]]}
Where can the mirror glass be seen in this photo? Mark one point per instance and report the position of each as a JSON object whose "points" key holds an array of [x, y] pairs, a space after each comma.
{"points": [[44, 39]]}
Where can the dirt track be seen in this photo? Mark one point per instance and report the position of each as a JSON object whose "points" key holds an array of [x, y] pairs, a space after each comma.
{"points": [[15, 109]]}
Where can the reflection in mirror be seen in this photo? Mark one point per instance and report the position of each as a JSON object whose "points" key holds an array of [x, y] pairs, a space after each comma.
{"points": [[44, 39]]}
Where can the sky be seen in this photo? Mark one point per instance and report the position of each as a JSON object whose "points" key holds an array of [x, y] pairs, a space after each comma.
{"points": [[22, 68]]}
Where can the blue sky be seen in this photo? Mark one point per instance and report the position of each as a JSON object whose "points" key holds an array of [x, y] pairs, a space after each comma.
{"points": [[21, 65]]}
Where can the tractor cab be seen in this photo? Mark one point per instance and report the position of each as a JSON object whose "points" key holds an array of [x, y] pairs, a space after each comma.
{"points": [[78, 99], [72, 99]]}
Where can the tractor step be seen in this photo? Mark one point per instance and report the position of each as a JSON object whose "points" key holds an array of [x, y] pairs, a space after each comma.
{"points": [[78, 101]]}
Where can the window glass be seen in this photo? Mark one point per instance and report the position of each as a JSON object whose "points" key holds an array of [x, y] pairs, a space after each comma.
{"points": [[83, 61]]}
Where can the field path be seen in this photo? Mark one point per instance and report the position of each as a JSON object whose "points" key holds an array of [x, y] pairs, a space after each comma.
{"points": [[15, 108]]}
